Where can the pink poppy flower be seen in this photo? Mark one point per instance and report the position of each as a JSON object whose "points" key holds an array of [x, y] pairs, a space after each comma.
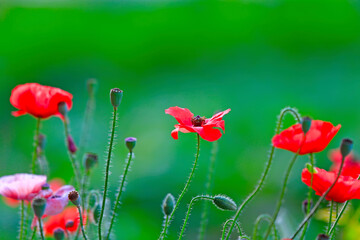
{"points": [[207, 128]]}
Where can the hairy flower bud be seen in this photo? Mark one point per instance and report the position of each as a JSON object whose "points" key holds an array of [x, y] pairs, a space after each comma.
{"points": [[59, 234], [74, 198], [71, 144], [63, 108], [346, 147], [224, 203], [116, 96], [69, 224], [130, 143], [97, 212], [168, 204], [322, 237], [306, 124], [39, 205], [90, 160]]}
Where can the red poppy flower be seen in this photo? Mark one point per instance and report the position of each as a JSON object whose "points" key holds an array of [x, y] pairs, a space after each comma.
{"points": [[38, 100], [206, 128], [21, 186], [60, 220], [346, 188], [351, 165], [317, 138]]}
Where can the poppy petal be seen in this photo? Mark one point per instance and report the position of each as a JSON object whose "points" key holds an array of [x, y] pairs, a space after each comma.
{"points": [[182, 115], [208, 133]]}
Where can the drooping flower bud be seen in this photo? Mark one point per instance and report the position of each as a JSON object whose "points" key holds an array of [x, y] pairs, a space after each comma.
{"points": [[306, 124], [305, 205], [116, 96], [130, 143], [310, 168], [69, 224], [74, 198], [63, 108], [71, 144], [39, 205], [322, 237], [59, 234], [168, 204], [97, 212], [346, 147], [224, 203], [90, 160], [91, 86]]}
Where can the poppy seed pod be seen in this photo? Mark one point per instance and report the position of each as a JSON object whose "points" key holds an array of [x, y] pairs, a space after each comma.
{"points": [[74, 198], [63, 108], [116, 96], [39, 205], [322, 237], [91, 86], [130, 143], [346, 146], [224, 203], [306, 124], [59, 234], [90, 160], [168, 204]]}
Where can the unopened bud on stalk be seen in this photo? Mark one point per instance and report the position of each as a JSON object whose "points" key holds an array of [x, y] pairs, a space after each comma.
{"points": [[168, 204], [97, 212], [74, 198], [306, 124], [39, 205], [91, 86], [90, 160], [346, 147], [63, 108], [224, 203], [59, 234], [116, 96], [305, 205], [71, 144], [69, 224], [322, 237], [130, 143]]}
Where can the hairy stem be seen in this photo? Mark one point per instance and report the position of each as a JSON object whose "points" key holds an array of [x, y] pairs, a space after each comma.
{"points": [[41, 229], [330, 216], [121, 188], [36, 143], [236, 224], [208, 185], [257, 222], [22, 212], [267, 168], [81, 223], [107, 172], [167, 222], [33, 233]]}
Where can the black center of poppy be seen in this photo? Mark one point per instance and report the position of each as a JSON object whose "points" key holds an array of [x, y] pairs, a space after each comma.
{"points": [[198, 121]]}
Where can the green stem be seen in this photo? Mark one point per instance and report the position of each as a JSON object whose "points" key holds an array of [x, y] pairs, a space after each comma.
{"points": [[236, 224], [107, 172], [81, 223], [330, 216], [312, 163], [167, 222], [267, 168], [22, 212], [257, 222], [36, 143], [33, 233], [86, 122], [83, 189], [121, 188], [287, 174], [204, 220], [313, 210], [189, 210], [26, 223], [41, 229]]}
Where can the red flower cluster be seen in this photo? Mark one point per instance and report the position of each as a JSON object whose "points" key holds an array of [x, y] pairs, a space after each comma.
{"points": [[38, 100], [317, 138], [206, 128]]}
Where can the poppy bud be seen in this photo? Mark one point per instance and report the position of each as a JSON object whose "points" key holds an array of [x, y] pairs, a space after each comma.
{"points": [[39, 205], [91, 86], [45, 186], [168, 204], [71, 145], [310, 168], [63, 108], [305, 205], [130, 143], [41, 141], [322, 237], [346, 147], [116, 96], [74, 198], [306, 124], [59, 234], [224, 203], [69, 224], [97, 212], [90, 160]]}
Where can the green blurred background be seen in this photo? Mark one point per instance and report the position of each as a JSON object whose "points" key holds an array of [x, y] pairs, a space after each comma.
{"points": [[252, 56]]}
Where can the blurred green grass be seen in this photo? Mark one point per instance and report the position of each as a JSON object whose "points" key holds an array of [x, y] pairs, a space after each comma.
{"points": [[254, 57]]}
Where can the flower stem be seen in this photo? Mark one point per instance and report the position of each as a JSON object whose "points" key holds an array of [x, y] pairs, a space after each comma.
{"points": [[208, 186], [107, 172], [257, 222], [167, 222], [236, 224], [36, 143], [22, 206], [33, 233], [41, 229], [312, 163], [264, 175], [313, 210], [121, 188], [81, 223], [189, 210], [330, 216]]}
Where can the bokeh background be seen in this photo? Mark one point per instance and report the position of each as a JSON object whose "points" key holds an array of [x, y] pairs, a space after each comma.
{"points": [[252, 56]]}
